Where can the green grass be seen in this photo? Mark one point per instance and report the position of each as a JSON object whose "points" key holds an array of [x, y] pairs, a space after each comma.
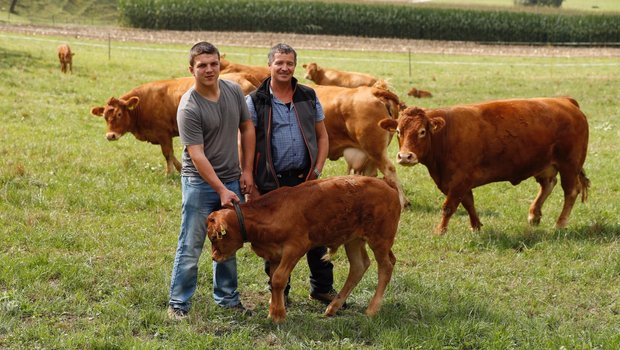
{"points": [[89, 227]]}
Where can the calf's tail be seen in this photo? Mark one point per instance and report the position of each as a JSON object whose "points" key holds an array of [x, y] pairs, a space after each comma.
{"points": [[584, 182]]}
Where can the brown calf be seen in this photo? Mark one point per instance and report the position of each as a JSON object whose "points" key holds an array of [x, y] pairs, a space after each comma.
{"points": [[65, 56], [284, 224]]}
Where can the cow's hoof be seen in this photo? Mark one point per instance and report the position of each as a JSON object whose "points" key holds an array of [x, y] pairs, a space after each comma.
{"points": [[533, 220]]}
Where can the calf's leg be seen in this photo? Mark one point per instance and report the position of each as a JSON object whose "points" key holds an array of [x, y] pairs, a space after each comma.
{"points": [[280, 273], [385, 265], [358, 264], [171, 161], [547, 181]]}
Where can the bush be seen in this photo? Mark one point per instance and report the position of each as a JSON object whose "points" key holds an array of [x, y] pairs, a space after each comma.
{"points": [[371, 20]]}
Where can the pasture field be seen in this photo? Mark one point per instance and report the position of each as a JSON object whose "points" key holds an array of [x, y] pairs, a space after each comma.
{"points": [[89, 227]]}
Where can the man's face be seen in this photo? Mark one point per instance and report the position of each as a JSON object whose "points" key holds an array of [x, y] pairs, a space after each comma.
{"points": [[283, 67], [206, 69]]}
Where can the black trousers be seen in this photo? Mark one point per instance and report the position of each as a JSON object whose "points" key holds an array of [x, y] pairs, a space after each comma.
{"points": [[321, 272]]}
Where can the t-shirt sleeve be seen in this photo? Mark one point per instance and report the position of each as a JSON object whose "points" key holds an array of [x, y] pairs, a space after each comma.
{"points": [[245, 113], [190, 127], [319, 111], [251, 108]]}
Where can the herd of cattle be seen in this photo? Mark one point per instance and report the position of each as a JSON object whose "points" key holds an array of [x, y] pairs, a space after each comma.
{"points": [[463, 146]]}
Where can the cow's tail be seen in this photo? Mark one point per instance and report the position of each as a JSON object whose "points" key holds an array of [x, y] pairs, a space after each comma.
{"points": [[390, 100], [391, 183], [584, 183]]}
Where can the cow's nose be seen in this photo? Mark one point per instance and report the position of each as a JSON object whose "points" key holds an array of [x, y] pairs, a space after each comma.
{"points": [[406, 158], [111, 136]]}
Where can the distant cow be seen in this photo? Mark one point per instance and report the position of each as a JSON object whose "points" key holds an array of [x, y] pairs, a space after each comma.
{"points": [[246, 81], [468, 146], [258, 73], [65, 56], [328, 76], [352, 116], [419, 93], [149, 113], [284, 224]]}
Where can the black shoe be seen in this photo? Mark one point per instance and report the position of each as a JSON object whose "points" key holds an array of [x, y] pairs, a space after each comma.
{"points": [[177, 314], [326, 298]]}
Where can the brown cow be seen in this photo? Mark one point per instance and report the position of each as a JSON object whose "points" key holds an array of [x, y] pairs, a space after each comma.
{"points": [[284, 224], [65, 56], [327, 76], [419, 93], [246, 81], [468, 146], [257, 73], [351, 119], [149, 113]]}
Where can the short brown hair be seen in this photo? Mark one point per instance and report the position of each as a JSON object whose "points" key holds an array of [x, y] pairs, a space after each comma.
{"points": [[202, 48]]}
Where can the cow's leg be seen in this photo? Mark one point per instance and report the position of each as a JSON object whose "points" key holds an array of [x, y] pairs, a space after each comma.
{"points": [[358, 264], [571, 187], [547, 181], [468, 204], [453, 199], [171, 161], [279, 279], [385, 265]]}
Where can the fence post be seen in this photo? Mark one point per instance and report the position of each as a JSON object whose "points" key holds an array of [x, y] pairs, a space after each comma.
{"points": [[409, 63]]}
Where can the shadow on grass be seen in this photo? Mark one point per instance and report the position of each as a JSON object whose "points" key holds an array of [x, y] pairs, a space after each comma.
{"points": [[11, 58], [598, 231]]}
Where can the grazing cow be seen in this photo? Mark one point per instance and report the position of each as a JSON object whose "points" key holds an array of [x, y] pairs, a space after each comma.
{"points": [[468, 146], [148, 112], [284, 224], [419, 93], [65, 56], [352, 116], [258, 73], [327, 76]]}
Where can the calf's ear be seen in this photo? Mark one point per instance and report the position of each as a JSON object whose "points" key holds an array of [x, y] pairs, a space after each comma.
{"points": [[388, 124], [97, 111], [437, 124], [304, 65]]}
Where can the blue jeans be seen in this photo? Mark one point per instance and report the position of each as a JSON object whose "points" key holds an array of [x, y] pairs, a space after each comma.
{"points": [[200, 200]]}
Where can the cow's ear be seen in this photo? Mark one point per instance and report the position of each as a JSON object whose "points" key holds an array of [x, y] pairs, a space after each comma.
{"points": [[304, 65], [97, 111], [388, 124], [132, 102], [437, 124]]}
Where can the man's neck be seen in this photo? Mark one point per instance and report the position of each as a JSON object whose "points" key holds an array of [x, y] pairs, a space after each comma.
{"points": [[282, 90], [210, 92]]}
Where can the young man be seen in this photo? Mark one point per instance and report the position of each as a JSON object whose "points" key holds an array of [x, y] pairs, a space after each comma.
{"points": [[291, 147], [209, 116]]}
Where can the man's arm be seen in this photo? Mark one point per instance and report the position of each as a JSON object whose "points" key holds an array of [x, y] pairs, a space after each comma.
{"points": [[205, 169], [323, 147], [248, 144]]}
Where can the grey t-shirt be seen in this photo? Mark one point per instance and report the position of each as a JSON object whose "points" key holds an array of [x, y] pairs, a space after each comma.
{"points": [[215, 125]]}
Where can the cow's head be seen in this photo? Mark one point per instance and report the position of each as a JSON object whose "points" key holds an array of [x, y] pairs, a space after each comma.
{"points": [[414, 130], [225, 238], [311, 70], [116, 115]]}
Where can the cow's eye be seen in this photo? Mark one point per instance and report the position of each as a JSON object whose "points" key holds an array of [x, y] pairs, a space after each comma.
{"points": [[422, 133], [398, 133]]}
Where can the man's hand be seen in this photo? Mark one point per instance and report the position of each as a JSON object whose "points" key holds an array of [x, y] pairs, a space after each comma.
{"points": [[227, 197]]}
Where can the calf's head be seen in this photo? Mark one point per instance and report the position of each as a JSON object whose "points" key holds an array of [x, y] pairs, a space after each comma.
{"points": [[116, 115], [414, 130], [224, 236]]}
